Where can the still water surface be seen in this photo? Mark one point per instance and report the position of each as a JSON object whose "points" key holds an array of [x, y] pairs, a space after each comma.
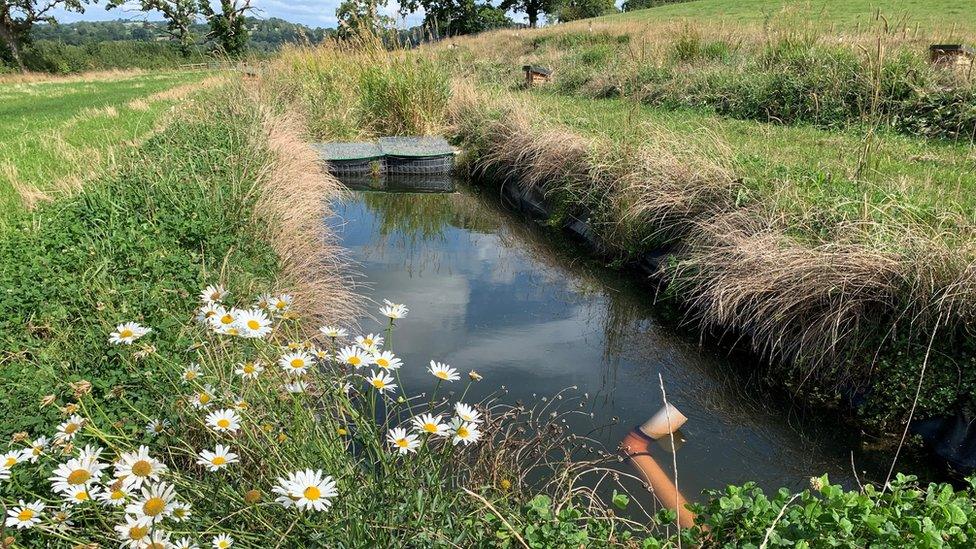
{"points": [[489, 291]]}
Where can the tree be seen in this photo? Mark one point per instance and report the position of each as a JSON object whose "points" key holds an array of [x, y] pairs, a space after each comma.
{"points": [[361, 17], [455, 17], [631, 5], [571, 10], [531, 8], [227, 28], [17, 17], [179, 15]]}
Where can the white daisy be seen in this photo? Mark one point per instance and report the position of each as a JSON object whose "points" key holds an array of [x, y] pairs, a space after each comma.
{"points": [[202, 399], [333, 331], [185, 543], [25, 515], [369, 343], [37, 448], [225, 420], [12, 458], [386, 360], [430, 424], [382, 381], [68, 429], [254, 323], [443, 371], [464, 432], [208, 311], [282, 303], [296, 387], [191, 373], [321, 355], [116, 494], [127, 332], [296, 363], [156, 427], [155, 503], [401, 441], [224, 318], [4, 473], [80, 472], [250, 369], [157, 539], [76, 495], [181, 512], [306, 490], [134, 531], [218, 459], [61, 518], [467, 413], [214, 293], [222, 541], [354, 357], [138, 467], [393, 311]]}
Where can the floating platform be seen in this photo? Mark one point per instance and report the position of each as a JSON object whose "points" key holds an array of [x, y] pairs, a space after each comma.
{"points": [[391, 155]]}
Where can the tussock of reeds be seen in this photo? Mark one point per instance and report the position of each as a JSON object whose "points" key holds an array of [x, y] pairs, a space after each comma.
{"points": [[293, 201]]}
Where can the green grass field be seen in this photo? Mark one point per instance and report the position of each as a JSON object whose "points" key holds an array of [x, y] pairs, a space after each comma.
{"points": [[805, 174], [55, 134], [938, 18]]}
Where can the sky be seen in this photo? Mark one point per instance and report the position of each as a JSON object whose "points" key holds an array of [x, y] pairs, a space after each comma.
{"points": [[314, 13]]}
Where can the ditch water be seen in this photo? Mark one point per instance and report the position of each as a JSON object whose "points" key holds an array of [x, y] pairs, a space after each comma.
{"points": [[488, 290]]}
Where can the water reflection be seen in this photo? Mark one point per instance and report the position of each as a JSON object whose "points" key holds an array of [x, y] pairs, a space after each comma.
{"points": [[492, 293]]}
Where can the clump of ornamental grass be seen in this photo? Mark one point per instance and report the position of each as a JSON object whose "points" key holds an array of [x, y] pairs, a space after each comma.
{"points": [[263, 436]]}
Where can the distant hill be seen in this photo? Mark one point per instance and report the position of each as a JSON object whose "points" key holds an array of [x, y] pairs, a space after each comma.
{"points": [[265, 34]]}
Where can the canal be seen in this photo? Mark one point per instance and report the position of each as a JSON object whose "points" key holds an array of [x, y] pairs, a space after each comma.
{"points": [[490, 291]]}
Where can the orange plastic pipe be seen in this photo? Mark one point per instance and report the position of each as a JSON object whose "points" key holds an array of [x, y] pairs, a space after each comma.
{"points": [[635, 447]]}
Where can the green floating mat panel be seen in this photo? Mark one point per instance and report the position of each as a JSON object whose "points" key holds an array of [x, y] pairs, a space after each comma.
{"points": [[348, 151], [415, 147]]}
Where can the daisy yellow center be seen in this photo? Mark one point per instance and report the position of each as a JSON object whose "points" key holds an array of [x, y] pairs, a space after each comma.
{"points": [[117, 495], [248, 368], [403, 443], [430, 427], [155, 545], [25, 514], [441, 374], [190, 374], [218, 460], [153, 506], [79, 476], [354, 360], [209, 314], [223, 423], [11, 461], [227, 319], [70, 428], [312, 493], [215, 296], [253, 324], [158, 428], [204, 398], [368, 342], [138, 532], [379, 383], [281, 305], [81, 496], [382, 363], [179, 512], [463, 432], [141, 468], [124, 333], [223, 544], [37, 450], [297, 363]]}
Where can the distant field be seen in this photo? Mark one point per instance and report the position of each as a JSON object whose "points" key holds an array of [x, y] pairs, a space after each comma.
{"points": [[55, 133], [934, 17]]}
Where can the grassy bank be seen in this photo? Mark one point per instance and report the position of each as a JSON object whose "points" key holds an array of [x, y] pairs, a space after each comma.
{"points": [[57, 133]]}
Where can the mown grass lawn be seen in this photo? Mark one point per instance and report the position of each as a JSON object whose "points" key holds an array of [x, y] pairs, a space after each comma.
{"points": [[54, 134]]}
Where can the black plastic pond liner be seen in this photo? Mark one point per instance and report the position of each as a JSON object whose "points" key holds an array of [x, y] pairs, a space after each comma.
{"points": [[951, 438]]}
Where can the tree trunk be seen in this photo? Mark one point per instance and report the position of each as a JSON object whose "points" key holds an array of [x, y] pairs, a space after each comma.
{"points": [[533, 17], [10, 38]]}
